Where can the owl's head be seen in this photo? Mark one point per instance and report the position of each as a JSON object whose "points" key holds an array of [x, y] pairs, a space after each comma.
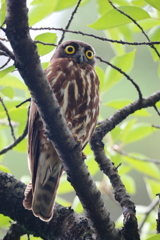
{"points": [[80, 51]]}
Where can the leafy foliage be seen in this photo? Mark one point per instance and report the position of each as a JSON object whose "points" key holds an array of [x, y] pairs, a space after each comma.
{"points": [[123, 137]]}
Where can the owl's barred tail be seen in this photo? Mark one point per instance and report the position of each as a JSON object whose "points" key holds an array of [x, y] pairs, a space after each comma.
{"points": [[41, 200]]}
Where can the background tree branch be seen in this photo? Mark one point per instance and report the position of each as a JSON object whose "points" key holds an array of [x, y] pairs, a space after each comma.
{"points": [[11, 197]]}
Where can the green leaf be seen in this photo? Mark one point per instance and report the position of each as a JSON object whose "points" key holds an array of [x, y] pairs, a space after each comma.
{"points": [[11, 105], [6, 71], [147, 168], [4, 169], [146, 24], [48, 38], [43, 8], [138, 3], [114, 33], [158, 104], [120, 103], [13, 81], [124, 62], [129, 183], [103, 6], [113, 18], [77, 206], [125, 130], [154, 34], [155, 237], [152, 187], [45, 65], [138, 132], [65, 186], [8, 92], [154, 3], [4, 221], [115, 133], [2, 12]]}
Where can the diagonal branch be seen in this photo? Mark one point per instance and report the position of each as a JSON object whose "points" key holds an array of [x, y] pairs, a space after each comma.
{"points": [[110, 123], [70, 20], [126, 75], [9, 119], [96, 37], [28, 64], [137, 24], [17, 141], [11, 197]]}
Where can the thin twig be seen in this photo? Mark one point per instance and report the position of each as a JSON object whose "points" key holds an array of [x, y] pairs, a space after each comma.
{"points": [[126, 75], [148, 210], [135, 22], [27, 100], [4, 65], [70, 20], [156, 126], [135, 158], [18, 140], [95, 36], [50, 44], [9, 119], [156, 110], [6, 50], [158, 220], [14, 232]]}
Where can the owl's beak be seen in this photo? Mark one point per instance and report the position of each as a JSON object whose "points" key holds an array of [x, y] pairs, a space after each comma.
{"points": [[80, 59]]}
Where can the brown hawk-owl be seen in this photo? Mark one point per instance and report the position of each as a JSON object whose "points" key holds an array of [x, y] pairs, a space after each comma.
{"points": [[75, 84]]}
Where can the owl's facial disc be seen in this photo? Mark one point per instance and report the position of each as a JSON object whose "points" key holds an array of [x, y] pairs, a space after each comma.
{"points": [[80, 53]]}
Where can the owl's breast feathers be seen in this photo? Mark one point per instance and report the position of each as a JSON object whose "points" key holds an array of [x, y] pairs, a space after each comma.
{"points": [[76, 89]]}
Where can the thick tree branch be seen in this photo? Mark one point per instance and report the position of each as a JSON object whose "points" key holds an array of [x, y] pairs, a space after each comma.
{"points": [[128, 207], [110, 123], [11, 197], [15, 232], [28, 64]]}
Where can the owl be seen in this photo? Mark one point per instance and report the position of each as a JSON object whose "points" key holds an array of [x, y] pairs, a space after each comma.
{"points": [[75, 84]]}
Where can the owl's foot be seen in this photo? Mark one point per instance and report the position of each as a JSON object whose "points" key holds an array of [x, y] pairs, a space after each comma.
{"points": [[77, 139], [69, 124], [84, 156]]}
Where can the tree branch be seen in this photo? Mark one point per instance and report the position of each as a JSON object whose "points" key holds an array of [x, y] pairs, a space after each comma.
{"points": [[96, 37], [11, 197], [28, 64], [18, 140], [110, 123]]}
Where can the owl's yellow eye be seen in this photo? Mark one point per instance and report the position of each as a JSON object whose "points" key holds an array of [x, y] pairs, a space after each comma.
{"points": [[89, 54], [70, 49]]}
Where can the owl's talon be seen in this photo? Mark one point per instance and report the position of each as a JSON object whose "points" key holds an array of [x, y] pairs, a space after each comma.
{"points": [[69, 124], [84, 156], [76, 138]]}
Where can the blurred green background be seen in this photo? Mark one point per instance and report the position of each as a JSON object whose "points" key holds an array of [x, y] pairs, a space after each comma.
{"points": [[144, 73]]}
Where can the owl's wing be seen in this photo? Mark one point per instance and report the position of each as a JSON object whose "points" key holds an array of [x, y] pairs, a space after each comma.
{"points": [[45, 167], [33, 148]]}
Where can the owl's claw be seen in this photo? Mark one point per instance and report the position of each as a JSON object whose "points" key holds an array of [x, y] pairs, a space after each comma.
{"points": [[77, 139], [69, 124], [84, 156]]}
